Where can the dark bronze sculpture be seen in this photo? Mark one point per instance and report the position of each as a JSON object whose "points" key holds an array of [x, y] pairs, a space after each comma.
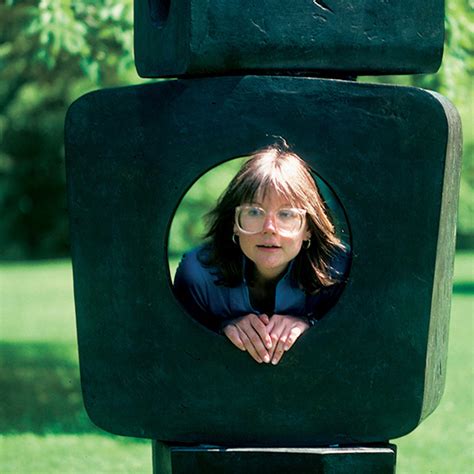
{"points": [[374, 367], [310, 37]]}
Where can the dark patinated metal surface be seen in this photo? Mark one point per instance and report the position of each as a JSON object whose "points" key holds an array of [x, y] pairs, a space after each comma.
{"points": [[372, 369], [335, 37]]}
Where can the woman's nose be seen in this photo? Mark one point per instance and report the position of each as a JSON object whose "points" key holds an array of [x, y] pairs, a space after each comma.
{"points": [[269, 224]]}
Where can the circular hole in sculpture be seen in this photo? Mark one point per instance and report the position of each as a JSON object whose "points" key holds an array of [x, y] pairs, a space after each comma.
{"points": [[216, 300], [159, 11]]}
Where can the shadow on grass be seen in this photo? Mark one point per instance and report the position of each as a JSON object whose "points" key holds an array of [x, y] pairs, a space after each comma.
{"points": [[41, 391], [464, 287]]}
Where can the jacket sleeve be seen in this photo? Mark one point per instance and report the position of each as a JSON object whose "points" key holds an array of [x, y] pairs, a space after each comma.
{"points": [[191, 288], [318, 305]]}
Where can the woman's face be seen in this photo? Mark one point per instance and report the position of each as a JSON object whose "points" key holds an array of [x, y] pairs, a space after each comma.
{"points": [[270, 251]]}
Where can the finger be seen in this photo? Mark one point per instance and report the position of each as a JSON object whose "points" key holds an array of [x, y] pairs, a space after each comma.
{"points": [[248, 325], [264, 318], [270, 326], [295, 333], [275, 336], [249, 346], [257, 343], [232, 334], [275, 329], [277, 324], [261, 331], [280, 348]]}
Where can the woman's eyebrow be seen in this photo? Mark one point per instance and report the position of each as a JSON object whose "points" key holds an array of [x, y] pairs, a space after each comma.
{"points": [[287, 205]]}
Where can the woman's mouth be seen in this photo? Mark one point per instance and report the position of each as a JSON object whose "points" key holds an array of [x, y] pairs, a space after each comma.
{"points": [[268, 247]]}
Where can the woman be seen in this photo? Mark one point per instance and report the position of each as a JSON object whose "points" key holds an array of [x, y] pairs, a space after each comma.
{"points": [[272, 264]]}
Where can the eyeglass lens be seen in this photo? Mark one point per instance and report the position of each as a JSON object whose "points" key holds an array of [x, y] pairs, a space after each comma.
{"points": [[252, 219]]}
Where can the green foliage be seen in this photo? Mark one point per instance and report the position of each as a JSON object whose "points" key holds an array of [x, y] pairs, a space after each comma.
{"points": [[188, 227], [466, 195], [456, 74], [51, 52]]}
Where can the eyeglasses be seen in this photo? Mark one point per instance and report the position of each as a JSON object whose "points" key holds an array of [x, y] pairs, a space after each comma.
{"points": [[251, 219]]}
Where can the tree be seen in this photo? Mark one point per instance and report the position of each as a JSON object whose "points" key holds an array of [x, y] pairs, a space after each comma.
{"points": [[51, 53]]}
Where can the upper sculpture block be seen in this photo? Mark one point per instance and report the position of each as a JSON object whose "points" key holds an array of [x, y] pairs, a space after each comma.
{"points": [[325, 37]]}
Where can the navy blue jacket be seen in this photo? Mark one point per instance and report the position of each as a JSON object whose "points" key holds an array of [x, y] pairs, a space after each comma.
{"points": [[214, 305]]}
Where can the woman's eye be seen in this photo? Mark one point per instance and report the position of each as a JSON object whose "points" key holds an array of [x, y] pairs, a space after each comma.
{"points": [[254, 212], [286, 214]]}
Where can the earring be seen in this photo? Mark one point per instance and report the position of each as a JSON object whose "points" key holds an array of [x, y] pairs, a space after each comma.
{"points": [[307, 244], [234, 239]]}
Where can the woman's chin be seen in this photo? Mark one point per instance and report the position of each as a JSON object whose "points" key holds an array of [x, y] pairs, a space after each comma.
{"points": [[270, 268]]}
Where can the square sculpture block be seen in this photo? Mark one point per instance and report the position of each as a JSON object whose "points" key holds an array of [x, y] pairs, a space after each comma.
{"points": [[348, 37], [371, 369]]}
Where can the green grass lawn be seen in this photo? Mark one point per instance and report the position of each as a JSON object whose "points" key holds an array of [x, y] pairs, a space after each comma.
{"points": [[44, 428]]}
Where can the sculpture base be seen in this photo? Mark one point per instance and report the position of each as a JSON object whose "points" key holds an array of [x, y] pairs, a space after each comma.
{"points": [[380, 459]]}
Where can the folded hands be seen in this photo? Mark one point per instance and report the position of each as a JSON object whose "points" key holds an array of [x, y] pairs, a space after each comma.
{"points": [[265, 338]]}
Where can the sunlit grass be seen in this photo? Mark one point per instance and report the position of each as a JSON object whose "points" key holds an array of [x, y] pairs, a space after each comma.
{"points": [[60, 453], [36, 301], [444, 442]]}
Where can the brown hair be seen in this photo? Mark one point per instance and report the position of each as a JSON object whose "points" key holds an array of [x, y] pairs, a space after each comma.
{"points": [[277, 168]]}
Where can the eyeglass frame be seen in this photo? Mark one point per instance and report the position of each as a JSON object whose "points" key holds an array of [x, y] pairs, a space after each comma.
{"points": [[301, 212]]}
